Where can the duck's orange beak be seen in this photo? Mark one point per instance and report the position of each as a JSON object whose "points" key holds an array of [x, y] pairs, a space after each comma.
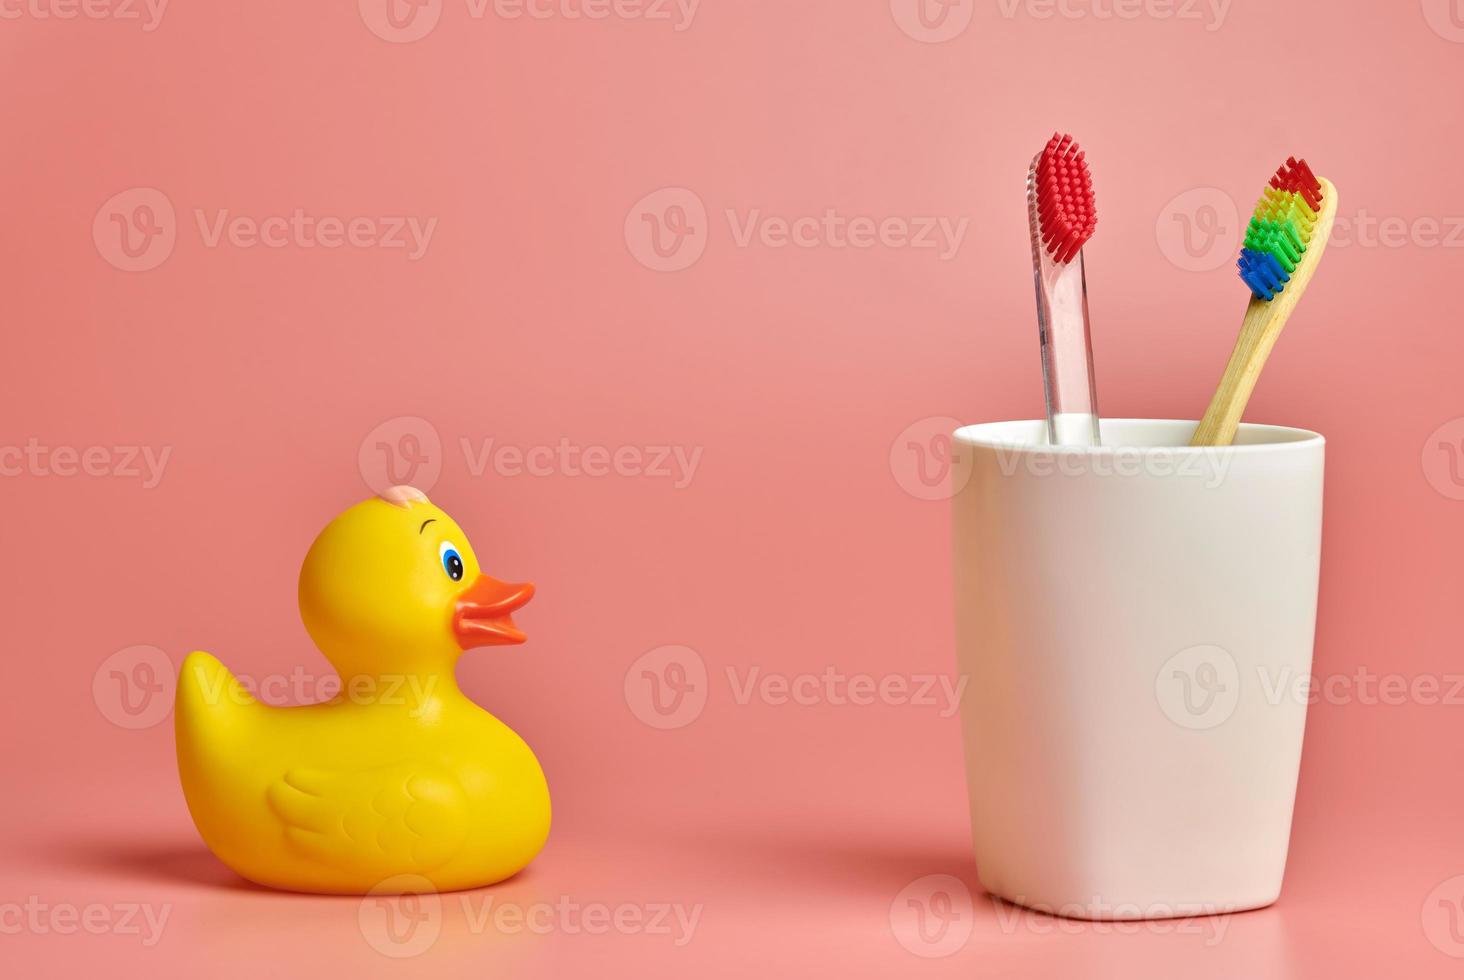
{"points": [[482, 615]]}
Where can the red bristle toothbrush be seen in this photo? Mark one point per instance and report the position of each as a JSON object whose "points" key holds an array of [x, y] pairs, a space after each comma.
{"points": [[1062, 218], [1283, 246]]}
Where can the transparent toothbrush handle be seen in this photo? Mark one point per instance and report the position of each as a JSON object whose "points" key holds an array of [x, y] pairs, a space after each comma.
{"points": [[1067, 352]]}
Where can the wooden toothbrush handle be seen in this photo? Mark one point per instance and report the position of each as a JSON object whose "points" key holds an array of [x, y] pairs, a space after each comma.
{"points": [[1257, 336]]}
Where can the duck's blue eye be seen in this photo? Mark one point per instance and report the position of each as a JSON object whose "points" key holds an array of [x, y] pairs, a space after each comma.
{"points": [[452, 562]]}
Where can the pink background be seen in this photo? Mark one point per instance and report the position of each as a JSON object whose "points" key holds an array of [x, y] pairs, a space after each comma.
{"points": [[801, 541]]}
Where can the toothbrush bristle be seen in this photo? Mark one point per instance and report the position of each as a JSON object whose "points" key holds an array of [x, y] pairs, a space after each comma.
{"points": [[1065, 209], [1280, 229]]}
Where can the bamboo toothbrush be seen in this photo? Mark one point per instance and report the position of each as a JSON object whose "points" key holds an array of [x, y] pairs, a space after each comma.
{"points": [[1062, 217], [1283, 246]]}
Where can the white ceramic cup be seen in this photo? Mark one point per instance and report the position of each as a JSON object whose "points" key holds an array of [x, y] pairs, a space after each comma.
{"points": [[1136, 622]]}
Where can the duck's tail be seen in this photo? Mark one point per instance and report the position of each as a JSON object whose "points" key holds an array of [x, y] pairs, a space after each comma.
{"points": [[212, 706], [217, 723]]}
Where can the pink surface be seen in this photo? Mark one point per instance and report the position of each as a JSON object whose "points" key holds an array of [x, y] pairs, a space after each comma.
{"points": [[516, 229]]}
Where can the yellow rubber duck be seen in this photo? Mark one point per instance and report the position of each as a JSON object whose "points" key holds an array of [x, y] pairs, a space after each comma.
{"points": [[400, 776]]}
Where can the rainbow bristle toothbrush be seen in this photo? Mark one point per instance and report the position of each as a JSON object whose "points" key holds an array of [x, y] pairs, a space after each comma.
{"points": [[1062, 217], [1283, 246]]}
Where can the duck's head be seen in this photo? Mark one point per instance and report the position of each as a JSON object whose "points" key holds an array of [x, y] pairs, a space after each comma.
{"points": [[393, 585]]}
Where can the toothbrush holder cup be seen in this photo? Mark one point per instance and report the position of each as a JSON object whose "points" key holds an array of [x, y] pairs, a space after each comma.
{"points": [[1136, 623]]}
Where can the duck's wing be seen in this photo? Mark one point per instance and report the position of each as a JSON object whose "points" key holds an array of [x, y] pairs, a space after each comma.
{"points": [[397, 819]]}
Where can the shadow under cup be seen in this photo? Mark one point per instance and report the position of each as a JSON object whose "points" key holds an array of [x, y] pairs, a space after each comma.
{"points": [[1136, 623]]}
